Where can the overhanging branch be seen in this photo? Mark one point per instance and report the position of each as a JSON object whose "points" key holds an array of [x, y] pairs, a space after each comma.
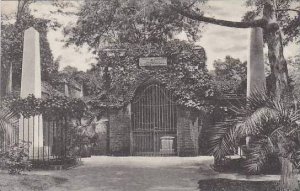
{"points": [[283, 10], [195, 16]]}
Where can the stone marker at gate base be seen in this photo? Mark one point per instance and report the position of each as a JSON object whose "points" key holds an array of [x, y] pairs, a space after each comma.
{"points": [[167, 145], [31, 129]]}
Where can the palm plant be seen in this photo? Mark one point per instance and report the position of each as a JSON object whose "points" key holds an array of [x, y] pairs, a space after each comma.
{"points": [[273, 127]]}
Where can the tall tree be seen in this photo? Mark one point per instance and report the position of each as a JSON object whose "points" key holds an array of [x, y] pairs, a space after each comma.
{"points": [[274, 14]]}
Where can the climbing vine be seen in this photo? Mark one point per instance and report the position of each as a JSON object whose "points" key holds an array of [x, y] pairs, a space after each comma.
{"points": [[54, 107], [185, 74]]}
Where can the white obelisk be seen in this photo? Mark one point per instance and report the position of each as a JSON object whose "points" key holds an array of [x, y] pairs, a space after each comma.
{"points": [[256, 80], [31, 129]]}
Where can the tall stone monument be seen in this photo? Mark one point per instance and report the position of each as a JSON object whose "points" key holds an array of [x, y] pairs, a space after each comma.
{"points": [[31, 129], [256, 80]]}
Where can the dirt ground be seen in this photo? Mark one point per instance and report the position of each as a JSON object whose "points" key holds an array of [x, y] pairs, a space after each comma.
{"points": [[134, 174], [106, 173]]}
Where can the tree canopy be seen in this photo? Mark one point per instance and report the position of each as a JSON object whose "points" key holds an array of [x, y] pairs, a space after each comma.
{"points": [[230, 76], [128, 21]]}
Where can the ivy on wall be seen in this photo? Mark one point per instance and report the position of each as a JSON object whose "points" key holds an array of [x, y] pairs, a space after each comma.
{"points": [[54, 107]]}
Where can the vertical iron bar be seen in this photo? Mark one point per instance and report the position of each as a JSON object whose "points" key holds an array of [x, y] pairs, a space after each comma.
{"points": [[139, 113], [3, 139], [48, 139], [54, 138], [28, 134], [65, 137], [169, 112], [134, 126], [61, 138], [159, 112], [150, 121], [148, 110], [44, 124], [142, 109], [38, 137], [156, 119], [163, 110], [23, 125], [33, 123], [173, 115]]}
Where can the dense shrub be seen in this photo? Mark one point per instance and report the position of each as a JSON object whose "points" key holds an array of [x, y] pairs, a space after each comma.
{"points": [[16, 158]]}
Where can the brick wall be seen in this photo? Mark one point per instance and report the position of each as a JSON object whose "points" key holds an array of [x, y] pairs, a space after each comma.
{"points": [[188, 129], [119, 124]]}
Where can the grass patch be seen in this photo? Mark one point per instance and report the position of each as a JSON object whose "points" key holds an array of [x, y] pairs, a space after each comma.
{"points": [[28, 182], [237, 185]]}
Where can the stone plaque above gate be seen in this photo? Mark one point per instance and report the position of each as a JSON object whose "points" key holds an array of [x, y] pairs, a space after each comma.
{"points": [[153, 61]]}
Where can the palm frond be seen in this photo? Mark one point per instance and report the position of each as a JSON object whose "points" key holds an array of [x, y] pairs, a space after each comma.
{"points": [[258, 120], [258, 99], [258, 154], [223, 138]]}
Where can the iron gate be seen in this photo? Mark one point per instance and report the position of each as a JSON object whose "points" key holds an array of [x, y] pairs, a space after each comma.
{"points": [[153, 118]]}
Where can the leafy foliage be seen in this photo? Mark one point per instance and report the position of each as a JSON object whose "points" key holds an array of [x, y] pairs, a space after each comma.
{"points": [[128, 21], [294, 72], [15, 158], [51, 107], [230, 76]]}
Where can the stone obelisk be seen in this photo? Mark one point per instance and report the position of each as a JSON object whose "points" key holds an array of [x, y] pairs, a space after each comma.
{"points": [[256, 80], [31, 129]]}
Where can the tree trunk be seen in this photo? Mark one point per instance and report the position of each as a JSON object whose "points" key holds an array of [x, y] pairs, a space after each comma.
{"points": [[278, 64], [288, 181]]}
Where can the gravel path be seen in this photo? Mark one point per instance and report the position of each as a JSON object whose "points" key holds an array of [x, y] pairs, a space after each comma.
{"points": [[105, 173], [134, 174]]}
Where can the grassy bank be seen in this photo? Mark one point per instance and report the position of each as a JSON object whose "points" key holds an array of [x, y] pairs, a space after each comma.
{"points": [[237, 185], [28, 182]]}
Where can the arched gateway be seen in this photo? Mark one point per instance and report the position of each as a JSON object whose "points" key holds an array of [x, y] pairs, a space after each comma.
{"points": [[153, 121]]}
